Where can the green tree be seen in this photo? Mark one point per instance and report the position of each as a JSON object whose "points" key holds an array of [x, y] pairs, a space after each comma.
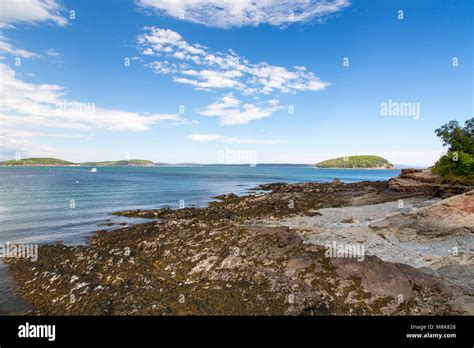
{"points": [[456, 137], [458, 164]]}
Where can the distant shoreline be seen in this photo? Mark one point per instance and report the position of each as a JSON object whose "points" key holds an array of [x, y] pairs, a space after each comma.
{"points": [[359, 162], [53, 165], [332, 168], [191, 165]]}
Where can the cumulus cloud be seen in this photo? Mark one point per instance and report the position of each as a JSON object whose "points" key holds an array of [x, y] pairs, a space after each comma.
{"points": [[28, 110], [230, 140], [30, 12], [239, 13], [196, 65], [36, 105], [231, 111]]}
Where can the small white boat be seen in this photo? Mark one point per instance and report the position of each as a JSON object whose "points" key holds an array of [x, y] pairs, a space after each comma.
{"points": [[94, 170]]}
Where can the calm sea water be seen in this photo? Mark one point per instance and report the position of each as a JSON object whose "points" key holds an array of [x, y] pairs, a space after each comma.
{"points": [[45, 204], [48, 204]]}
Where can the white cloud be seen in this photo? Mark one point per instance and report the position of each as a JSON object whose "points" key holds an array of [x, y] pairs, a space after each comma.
{"points": [[239, 13], [231, 111], [163, 67], [211, 79], [9, 145], [6, 47], [26, 104], [196, 65], [53, 53], [30, 11], [230, 140]]}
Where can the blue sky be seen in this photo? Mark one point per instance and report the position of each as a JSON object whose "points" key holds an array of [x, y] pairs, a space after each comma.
{"points": [[255, 79]]}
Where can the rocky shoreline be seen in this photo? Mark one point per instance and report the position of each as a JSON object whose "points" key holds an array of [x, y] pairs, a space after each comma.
{"points": [[265, 254]]}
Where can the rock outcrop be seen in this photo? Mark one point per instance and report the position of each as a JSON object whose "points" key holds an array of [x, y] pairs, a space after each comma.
{"points": [[424, 182], [447, 218]]}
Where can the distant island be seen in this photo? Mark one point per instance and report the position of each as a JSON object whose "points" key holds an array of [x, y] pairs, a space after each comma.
{"points": [[356, 162], [55, 162], [36, 162], [367, 162], [132, 162]]}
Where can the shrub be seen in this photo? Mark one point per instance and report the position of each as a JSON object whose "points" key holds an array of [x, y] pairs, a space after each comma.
{"points": [[456, 166]]}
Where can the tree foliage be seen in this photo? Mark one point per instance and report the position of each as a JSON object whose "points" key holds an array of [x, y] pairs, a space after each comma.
{"points": [[458, 164], [456, 137]]}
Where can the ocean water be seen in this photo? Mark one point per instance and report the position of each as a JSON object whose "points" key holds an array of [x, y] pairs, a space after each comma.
{"points": [[46, 204], [50, 204]]}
